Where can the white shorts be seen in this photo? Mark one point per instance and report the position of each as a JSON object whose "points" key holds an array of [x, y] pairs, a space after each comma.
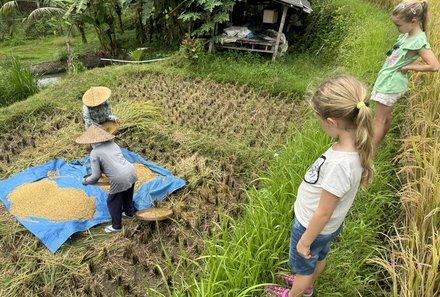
{"points": [[387, 99]]}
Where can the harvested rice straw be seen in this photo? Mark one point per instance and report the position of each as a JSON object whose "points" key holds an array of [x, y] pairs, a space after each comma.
{"points": [[44, 199], [144, 174]]}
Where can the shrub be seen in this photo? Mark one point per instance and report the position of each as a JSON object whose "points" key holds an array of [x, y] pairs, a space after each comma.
{"points": [[325, 28], [44, 27], [16, 83]]}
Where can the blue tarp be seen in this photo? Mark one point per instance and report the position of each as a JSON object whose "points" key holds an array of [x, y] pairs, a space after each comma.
{"points": [[54, 233]]}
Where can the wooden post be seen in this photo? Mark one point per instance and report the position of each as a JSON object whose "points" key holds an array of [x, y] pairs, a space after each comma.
{"points": [[68, 52], [280, 30]]}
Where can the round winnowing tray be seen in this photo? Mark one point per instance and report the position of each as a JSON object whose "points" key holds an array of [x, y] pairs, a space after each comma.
{"points": [[110, 126], [154, 214]]}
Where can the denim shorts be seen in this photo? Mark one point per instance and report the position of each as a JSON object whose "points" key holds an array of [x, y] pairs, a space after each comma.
{"points": [[319, 250]]}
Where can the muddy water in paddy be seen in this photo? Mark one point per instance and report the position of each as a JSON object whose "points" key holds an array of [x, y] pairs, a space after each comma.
{"points": [[215, 136]]}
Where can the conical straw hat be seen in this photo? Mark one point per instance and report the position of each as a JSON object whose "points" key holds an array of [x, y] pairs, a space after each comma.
{"points": [[96, 96], [94, 134]]}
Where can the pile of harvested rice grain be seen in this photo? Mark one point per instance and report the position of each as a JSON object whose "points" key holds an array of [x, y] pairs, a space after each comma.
{"points": [[144, 174], [44, 199]]}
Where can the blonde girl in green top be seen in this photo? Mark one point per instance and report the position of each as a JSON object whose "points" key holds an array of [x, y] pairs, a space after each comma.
{"points": [[410, 18]]}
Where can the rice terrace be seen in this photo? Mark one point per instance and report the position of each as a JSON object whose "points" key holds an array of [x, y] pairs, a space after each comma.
{"points": [[164, 148]]}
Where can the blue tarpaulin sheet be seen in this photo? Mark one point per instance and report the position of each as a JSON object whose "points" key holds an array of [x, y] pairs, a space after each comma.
{"points": [[69, 175]]}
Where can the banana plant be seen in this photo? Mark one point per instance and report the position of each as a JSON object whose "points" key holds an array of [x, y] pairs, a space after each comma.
{"points": [[101, 15], [44, 9], [210, 13], [8, 17], [144, 10]]}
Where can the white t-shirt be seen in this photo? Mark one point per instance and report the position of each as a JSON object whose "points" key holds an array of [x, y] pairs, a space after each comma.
{"points": [[336, 172]]}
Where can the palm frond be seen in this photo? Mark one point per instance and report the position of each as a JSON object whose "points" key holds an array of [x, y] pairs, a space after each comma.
{"points": [[8, 7], [55, 3], [44, 12]]}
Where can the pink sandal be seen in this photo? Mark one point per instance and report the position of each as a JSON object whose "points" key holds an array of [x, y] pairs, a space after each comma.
{"points": [[276, 291], [289, 279]]}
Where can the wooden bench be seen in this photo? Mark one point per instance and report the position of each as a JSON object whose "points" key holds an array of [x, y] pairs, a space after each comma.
{"points": [[251, 45]]}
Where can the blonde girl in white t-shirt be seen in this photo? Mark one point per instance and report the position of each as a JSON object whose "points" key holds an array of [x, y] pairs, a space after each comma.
{"points": [[331, 183]]}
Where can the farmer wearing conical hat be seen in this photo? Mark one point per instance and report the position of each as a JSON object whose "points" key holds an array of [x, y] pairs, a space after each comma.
{"points": [[96, 108], [106, 158]]}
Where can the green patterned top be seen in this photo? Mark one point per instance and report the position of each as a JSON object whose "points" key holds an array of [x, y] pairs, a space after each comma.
{"points": [[390, 79], [98, 114]]}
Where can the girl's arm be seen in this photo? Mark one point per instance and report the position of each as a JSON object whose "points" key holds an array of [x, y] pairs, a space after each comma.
{"points": [[428, 56], [326, 207]]}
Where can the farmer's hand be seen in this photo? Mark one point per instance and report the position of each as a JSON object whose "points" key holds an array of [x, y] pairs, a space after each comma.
{"points": [[117, 121], [404, 69], [303, 250]]}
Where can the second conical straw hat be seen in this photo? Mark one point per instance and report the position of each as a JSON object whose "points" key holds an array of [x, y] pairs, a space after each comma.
{"points": [[94, 134], [96, 96]]}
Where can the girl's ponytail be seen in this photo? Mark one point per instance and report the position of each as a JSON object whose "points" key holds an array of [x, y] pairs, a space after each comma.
{"points": [[364, 141], [424, 19]]}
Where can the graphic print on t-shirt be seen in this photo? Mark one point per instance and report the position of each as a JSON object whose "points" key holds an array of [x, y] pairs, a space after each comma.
{"points": [[393, 57], [312, 175]]}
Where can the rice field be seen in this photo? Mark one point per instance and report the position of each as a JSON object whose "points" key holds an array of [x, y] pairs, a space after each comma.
{"points": [[210, 135], [219, 138], [413, 264]]}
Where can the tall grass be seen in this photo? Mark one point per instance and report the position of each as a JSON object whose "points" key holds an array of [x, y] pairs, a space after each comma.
{"points": [[367, 39], [16, 82], [246, 253], [414, 261]]}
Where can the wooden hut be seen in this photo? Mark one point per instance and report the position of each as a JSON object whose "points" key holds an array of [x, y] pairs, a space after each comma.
{"points": [[270, 14]]}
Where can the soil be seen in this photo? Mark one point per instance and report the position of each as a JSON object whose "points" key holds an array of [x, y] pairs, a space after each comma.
{"points": [[89, 60], [217, 137]]}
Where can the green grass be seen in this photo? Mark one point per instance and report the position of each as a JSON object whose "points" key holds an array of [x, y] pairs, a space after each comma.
{"points": [[16, 82], [248, 251], [52, 48], [370, 35], [291, 73], [45, 49]]}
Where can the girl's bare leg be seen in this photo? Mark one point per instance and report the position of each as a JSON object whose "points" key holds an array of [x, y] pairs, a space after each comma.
{"points": [[320, 265], [382, 122], [303, 282]]}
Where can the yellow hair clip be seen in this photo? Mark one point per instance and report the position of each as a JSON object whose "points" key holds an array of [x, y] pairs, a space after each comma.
{"points": [[360, 104]]}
